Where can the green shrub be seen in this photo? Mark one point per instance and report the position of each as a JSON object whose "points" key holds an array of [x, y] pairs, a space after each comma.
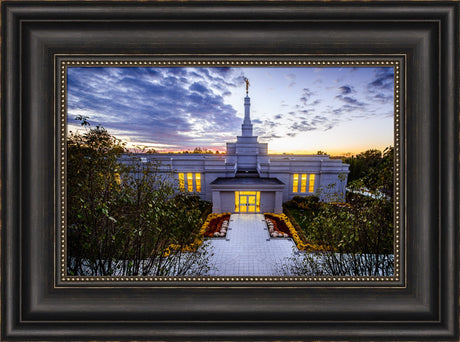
{"points": [[303, 202], [122, 216]]}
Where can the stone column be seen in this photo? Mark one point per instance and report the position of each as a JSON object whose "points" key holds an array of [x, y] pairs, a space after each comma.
{"points": [[216, 208], [278, 202]]}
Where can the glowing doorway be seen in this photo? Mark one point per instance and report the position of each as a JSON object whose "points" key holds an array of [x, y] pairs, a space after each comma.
{"points": [[247, 201]]}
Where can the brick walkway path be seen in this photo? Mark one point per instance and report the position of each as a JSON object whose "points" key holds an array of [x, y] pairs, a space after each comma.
{"points": [[248, 249]]}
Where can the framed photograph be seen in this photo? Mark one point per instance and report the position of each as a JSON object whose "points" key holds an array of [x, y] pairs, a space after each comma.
{"points": [[230, 171], [153, 189]]}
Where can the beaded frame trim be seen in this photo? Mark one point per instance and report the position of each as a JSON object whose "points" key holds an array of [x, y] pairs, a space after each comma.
{"points": [[64, 62]]}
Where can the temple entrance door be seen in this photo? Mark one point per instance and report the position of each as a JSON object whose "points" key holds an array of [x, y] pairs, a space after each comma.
{"points": [[247, 201]]}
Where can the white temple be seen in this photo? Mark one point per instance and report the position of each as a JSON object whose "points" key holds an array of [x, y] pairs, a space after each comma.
{"points": [[249, 180]]}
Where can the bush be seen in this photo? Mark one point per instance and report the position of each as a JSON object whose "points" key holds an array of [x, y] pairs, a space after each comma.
{"points": [[357, 238], [306, 203], [123, 216], [335, 264], [363, 226]]}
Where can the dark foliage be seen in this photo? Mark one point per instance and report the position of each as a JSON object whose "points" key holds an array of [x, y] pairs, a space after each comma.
{"points": [[357, 236], [122, 217]]}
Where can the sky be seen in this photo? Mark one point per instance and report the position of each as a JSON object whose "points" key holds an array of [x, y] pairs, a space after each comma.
{"points": [[337, 110]]}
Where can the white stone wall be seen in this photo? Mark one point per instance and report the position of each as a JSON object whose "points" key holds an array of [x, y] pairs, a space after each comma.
{"points": [[328, 182], [267, 202], [227, 201], [330, 174]]}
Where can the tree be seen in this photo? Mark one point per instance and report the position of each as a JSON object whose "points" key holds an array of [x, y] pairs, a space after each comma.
{"points": [[202, 150], [381, 177], [373, 170], [123, 216], [92, 185], [360, 165], [355, 238]]}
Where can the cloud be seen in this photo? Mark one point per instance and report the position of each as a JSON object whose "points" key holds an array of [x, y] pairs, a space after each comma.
{"points": [[347, 108], [198, 88], [152, 105], [318, 120], [270, 123], [381, 88], [222, 71], [350, 100], [267, 130], [346, 89], [303, 126], [323, 108], [189, 107], [383, 79], [270, 137], [306, 95], [383, 98]]}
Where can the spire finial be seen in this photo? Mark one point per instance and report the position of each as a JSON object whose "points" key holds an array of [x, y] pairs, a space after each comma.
{"points": [[247, 85]]}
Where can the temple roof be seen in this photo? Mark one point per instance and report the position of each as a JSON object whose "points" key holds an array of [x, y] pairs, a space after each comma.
{"points": [[246, 181]]}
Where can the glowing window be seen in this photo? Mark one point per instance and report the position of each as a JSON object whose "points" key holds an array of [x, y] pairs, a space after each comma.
{"points": [[198, 182], [252, 204], [243, 203], [303, 184], [237, 201], [311, 184], [295, 183], [190, 182], [181, 182]]}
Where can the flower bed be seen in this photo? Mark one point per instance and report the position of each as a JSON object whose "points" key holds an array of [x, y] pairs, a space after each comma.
{"points": [[283, 223], [277, 227], [216, 225]]}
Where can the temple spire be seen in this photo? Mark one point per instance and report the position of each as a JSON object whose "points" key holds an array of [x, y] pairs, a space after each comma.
{"points": [[246, 127]]}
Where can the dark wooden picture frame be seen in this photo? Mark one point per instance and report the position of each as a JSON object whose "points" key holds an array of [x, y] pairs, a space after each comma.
{"points": [[422, 304]]}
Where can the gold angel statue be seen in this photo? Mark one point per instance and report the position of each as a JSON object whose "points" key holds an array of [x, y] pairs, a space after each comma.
{"points": [[247, 85]]}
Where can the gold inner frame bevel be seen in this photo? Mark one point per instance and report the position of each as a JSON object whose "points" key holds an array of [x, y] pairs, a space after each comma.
{"points": [[66, 61]]}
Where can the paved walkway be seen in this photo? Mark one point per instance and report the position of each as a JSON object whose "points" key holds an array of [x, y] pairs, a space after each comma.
{"points": [[248, 249]]}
